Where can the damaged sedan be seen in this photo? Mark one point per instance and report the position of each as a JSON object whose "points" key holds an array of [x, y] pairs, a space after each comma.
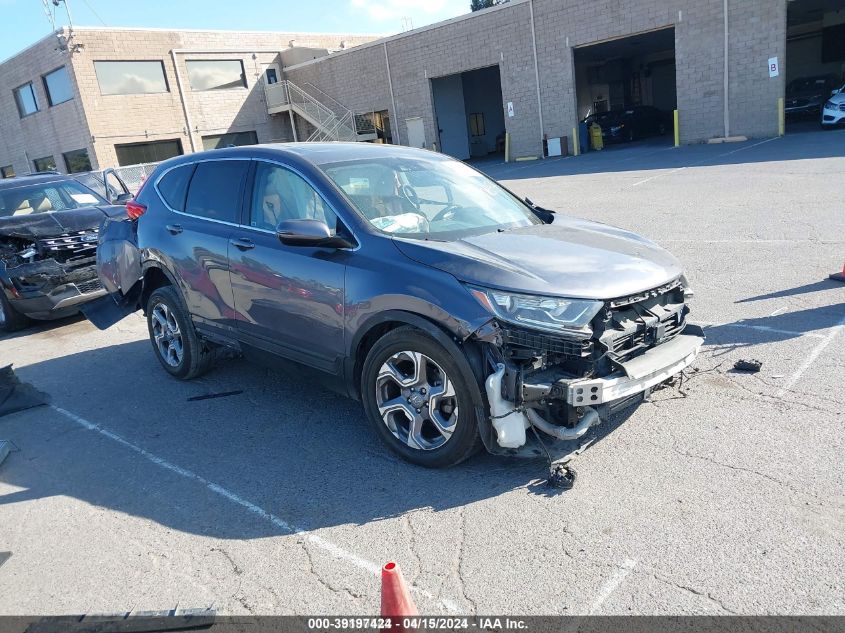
{"points": [[48, 238], [460, 315]]}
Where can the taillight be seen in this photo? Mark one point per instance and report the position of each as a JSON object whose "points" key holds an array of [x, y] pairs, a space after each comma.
{"points": [[135, 209]]}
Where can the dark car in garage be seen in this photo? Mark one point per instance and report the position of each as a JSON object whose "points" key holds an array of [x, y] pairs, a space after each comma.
{"points": [[458, 313], [48, 239], [806, 96], [631, 124]]}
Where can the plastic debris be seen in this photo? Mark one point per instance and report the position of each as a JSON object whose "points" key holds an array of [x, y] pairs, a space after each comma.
{"points": [[749, 365], [562, 477], [16, 395]]}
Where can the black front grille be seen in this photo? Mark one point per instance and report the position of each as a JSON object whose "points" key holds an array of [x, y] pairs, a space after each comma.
{"points": [[546, 344], [634, 324], [69, 247], [89, 286]]}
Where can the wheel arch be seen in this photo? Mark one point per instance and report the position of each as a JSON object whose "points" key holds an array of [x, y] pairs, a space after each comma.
{"points": [[384, 322], [155, 277]]}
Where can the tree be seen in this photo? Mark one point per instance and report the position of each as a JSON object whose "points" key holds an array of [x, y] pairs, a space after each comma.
{"points": [[477, 5]]}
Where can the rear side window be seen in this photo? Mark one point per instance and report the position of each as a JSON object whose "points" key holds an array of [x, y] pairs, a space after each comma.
{"points": [[173, 187], [215, 190]]}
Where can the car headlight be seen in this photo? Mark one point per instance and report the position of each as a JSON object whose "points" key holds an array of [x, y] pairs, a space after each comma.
{"points": [[554, 314], [830, 105], [617, 128]]}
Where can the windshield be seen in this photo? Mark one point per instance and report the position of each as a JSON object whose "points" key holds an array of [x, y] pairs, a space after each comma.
{"points": [[428, 198], [46, 196]]}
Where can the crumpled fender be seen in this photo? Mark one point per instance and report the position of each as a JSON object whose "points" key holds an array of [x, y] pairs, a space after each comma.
{"points": [[119, 270], [118, 257]]}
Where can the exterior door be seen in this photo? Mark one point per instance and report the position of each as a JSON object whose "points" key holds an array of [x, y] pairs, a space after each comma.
{"points": [[416, 132], [289, 299], [449, 106], [271, 74], [196, 237]]}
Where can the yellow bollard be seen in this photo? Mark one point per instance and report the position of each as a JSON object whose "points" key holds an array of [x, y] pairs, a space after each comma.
{"points": [[677, 130], [576, 148], [781, 117]]}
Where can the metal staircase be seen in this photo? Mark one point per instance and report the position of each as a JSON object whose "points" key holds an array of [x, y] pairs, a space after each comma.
{"points": [[330, 124]]}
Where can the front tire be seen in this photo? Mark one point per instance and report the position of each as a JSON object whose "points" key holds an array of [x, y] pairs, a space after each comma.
{"points": [[10, 319], [419, 399], [173, 337]]}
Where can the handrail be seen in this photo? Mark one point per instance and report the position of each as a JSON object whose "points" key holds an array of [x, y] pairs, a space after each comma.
{"points": [[329, 124]]}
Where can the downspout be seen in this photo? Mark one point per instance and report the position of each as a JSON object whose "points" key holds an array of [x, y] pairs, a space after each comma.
{"points": [[394, 118], [182, 100], [727, 82], [537, 77]]}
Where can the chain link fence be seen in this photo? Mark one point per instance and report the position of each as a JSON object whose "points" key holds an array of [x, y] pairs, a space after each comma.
{"points": [[135, 175]]}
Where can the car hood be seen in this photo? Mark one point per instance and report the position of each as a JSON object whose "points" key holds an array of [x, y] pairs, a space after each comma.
{"points": [[571, 258], [39, 225]]}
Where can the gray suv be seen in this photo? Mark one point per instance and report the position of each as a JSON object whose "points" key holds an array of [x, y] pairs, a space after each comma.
{"points": [[458, 314]]}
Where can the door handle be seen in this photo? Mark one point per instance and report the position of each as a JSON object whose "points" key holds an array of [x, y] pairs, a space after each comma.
{"points": [[174, 229], [243, 243]]}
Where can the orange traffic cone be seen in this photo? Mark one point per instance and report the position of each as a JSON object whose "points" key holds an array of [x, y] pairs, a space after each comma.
{"points": [[395, 598], [839, 276]]}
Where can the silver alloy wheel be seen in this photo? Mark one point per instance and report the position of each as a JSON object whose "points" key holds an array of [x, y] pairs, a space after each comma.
{"points": [[168, 337], [416, 400]]}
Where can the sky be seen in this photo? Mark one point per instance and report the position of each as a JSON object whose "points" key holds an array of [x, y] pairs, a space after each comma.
{"points": [[23, 22]]}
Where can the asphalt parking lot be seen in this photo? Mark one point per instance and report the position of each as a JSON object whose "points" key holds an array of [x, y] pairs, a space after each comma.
{"points": [[724, 498]]}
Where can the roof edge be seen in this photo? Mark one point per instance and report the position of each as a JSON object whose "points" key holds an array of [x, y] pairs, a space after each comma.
{"points": [[429, 27]]}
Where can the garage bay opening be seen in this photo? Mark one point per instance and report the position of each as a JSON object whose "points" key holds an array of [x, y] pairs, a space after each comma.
{"points": [[627, 86], [815, 65], [469, 114]]}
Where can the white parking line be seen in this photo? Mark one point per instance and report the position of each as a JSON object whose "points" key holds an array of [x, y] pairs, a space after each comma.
{"points": [[759, 328], [704, 160], [612, 584], [667, 173], [742, 149], [284, 526], [795, 377]]}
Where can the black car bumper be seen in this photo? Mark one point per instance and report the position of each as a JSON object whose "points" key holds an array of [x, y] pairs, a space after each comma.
{"points": [[805, 109], [48, 290]]}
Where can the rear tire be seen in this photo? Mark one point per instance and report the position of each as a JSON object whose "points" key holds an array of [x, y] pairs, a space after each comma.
{"points": [[425, 416], [174, 338], [10, 319]]}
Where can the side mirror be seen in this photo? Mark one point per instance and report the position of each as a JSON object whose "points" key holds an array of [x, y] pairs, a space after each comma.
{"points": [[309, 232], [123, 198]]}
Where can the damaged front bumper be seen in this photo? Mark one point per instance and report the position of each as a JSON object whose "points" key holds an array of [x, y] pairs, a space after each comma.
{"points": [[517, 421], [655, 366], [47, 289]]}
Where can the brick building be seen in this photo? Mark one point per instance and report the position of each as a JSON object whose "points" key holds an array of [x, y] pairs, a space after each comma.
{"points": [[528, 68], [101, 97]]}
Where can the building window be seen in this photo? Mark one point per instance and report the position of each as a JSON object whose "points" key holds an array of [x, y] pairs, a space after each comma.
{"points": [[476, 124], [216, 74], [57, 86], [131, 78], [7, 172], [137, 153], [48, 163], [216, 141], [77, 161], [25, 98]]}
